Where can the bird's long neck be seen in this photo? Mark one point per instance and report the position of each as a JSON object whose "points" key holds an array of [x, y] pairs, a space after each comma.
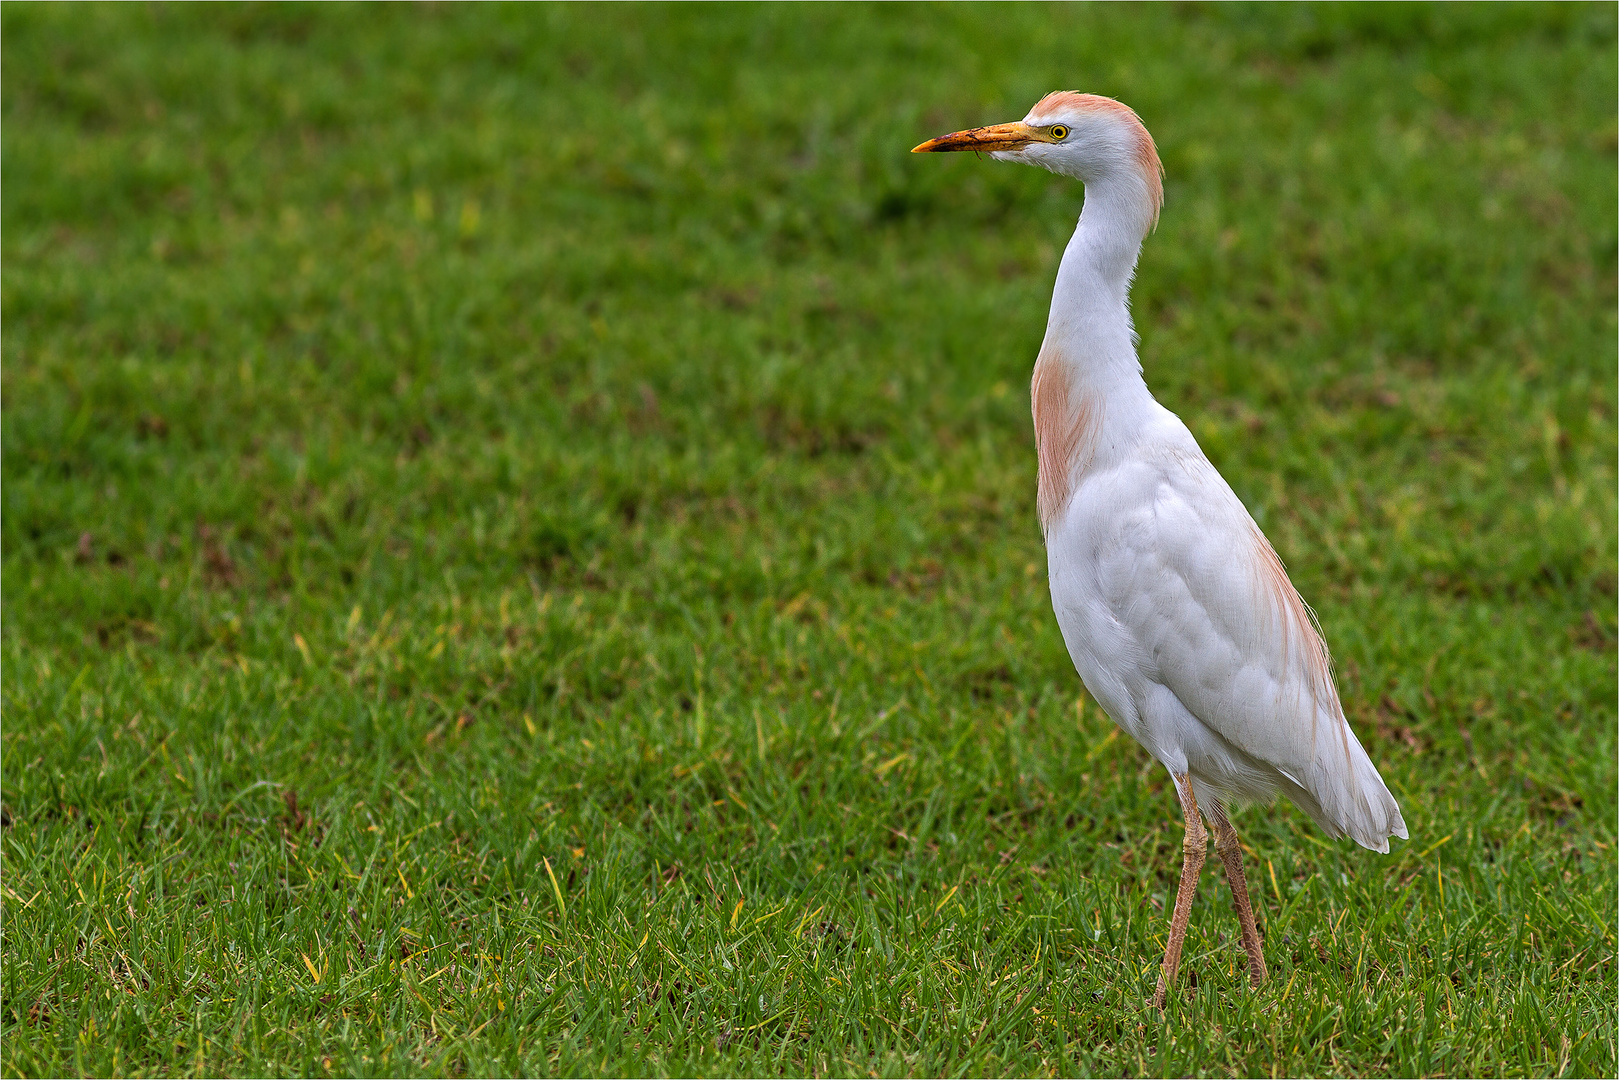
{"points": [[1089, 329], [1088, 394]]}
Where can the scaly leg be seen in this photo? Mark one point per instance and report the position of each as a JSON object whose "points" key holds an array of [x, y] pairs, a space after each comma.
{"points": [[1195, 849], [1230, 849]]}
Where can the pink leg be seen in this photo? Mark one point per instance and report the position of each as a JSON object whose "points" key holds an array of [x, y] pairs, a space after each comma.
{"points": [[1230, 849], [1195, 849]]}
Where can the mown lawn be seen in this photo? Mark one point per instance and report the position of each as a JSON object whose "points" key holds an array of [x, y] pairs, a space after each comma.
{"points": [[519, 550]]}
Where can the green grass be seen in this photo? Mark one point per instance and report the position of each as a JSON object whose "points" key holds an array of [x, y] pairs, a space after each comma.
{"points": [[519, 550]]}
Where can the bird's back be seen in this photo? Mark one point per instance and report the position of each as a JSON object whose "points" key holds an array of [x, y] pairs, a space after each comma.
{"points": [[1184, 625]]}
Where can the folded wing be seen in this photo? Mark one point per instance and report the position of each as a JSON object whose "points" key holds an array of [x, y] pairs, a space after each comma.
{"points": [[1208, 602]]}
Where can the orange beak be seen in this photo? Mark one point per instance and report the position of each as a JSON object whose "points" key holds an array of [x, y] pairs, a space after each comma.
{"points": [[995, 137]]}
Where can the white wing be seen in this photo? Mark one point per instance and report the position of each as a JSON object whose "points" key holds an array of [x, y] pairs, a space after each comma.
{"points": [[1185, 573]]}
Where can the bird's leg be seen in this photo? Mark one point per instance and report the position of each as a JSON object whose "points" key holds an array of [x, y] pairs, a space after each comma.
{"points": [[1230, 849], [1195, 849]]}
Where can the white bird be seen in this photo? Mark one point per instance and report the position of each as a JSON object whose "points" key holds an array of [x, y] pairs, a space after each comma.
{"points": [[1175, 608]]}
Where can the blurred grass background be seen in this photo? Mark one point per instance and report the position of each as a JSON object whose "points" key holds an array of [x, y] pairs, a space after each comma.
{"points": [[519, 550]]}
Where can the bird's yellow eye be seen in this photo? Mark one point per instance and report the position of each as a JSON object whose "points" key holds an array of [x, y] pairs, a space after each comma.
{"points": [[1059, 132]]}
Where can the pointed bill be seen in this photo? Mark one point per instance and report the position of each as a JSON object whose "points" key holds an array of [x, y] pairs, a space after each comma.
{"points": [[984, 139]]}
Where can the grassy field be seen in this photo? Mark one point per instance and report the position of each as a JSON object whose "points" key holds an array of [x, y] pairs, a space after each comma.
{"points": [[511, 564]]}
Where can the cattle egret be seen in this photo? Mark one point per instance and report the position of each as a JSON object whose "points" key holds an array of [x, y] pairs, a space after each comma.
{"points": [[1175, 608]]}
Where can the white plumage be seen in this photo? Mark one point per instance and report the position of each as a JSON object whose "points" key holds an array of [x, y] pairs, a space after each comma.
{"points": [[1175, 608]]}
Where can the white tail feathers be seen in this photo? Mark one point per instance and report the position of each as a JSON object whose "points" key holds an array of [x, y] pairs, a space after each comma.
{"points": [[1350, 801]]}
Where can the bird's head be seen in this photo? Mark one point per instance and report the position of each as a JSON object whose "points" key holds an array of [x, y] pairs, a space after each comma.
{"points": [[1094, 139]]}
